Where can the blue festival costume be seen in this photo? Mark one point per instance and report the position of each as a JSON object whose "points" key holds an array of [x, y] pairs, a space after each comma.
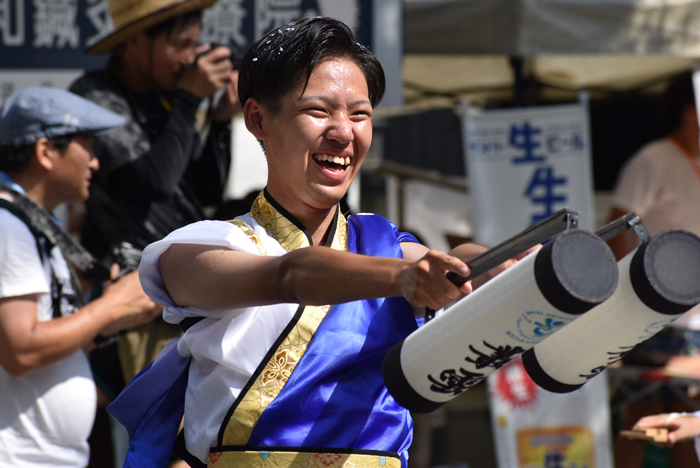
{"points": [[318, 397]]}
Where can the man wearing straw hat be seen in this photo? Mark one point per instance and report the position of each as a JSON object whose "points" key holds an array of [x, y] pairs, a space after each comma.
{"points": [[165, 164]]}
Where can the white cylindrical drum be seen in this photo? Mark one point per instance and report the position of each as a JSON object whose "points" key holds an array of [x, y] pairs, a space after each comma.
{"points": [[658, 282], [508, 315]]}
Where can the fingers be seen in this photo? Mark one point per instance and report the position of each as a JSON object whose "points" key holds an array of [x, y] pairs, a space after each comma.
{"points": [[232, 86], [229, 104], [211, 72], [114, 272], [466, 288], [685, 428], [202, 48], [528, 252], [426, 283], [681, 426], [215, 55], [217, 63], [656, 420], [150, 314]]}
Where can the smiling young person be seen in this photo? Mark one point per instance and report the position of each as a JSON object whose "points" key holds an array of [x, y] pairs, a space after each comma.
{"points": [[289, 309], [48, 395]]}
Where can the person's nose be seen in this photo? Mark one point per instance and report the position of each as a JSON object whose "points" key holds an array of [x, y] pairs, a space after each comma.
{"points": [[341, 129], [188, 56], [94, 163]]}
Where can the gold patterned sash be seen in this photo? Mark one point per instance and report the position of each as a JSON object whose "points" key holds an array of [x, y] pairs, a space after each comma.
{"points": [[275, 373], [280, 459]]}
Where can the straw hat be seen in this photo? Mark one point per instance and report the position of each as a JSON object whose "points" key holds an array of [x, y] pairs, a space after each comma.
{"points": [[132, 16]]}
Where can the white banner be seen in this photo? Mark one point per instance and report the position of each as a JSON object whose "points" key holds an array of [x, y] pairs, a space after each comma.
{"points": [[536, 429], [524, 165]]}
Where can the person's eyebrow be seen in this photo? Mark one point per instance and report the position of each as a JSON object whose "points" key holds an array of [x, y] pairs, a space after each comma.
{"points": [[327, 100]]}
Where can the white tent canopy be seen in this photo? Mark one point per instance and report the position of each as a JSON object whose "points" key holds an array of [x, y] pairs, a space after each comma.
{"points": [[461, 48], [431, 77], [535, 27]]}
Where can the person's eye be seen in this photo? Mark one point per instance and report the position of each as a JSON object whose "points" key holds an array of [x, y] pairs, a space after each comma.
{"points": [[361, 114]]}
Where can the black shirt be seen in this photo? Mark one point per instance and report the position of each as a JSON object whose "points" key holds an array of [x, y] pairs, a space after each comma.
{"points": [[156, 173]]}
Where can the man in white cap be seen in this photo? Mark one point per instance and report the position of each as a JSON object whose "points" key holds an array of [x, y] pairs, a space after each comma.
{"points": [[160, 169], [48, 396]]}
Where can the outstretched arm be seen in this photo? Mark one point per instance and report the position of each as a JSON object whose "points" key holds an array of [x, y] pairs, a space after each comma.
{"points": [[681, 426], [219, 278]]}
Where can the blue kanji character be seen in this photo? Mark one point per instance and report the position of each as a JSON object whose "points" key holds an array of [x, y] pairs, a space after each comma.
{"points": [[553, 459], [522, 138], [545, 179], [577, 142]]}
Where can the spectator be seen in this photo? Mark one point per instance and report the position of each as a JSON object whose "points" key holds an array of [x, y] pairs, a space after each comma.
{"points": [[48, 396], [661, 184], [161, 168]]}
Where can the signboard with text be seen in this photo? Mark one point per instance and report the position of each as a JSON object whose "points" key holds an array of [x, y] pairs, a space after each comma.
{"points": [[55, 33], [533, 428], [526, 164], [44, 35]]}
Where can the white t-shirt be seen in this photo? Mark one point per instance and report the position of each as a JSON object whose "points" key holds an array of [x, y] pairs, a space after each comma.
{"points": [[47, 414], [661, 186]]}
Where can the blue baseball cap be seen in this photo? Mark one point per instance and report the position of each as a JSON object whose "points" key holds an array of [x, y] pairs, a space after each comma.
{"points": [[40, 112]]}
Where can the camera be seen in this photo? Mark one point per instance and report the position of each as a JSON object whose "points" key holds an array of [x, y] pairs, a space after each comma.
{"points": [[126, 256]]}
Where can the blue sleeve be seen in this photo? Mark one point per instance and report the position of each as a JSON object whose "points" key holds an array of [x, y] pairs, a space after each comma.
{"points": [[403, 236]]}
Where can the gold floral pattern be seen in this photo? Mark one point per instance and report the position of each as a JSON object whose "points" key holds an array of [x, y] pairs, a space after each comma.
{"points": [[248, 231], [279, 368], [286, 232], [254, 459], [273, 377]]}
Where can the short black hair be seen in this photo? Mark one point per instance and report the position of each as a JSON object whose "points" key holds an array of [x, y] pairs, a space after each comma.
{"points": [[174, 24], [273, 66], [15, 159], [678, 95]]}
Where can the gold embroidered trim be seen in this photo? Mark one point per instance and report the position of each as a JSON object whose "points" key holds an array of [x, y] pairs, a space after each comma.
{"points": [[248, 231], [254, 459], [280, 367], [273, 377], [340, 241], [277, 226], [286, 232]]}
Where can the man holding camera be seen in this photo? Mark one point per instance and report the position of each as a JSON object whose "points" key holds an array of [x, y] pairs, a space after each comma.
{"points": [[166, 163], [48, 396]]}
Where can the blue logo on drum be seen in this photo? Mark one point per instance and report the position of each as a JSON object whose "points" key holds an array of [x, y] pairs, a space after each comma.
{"points": [[547, 327], [533, 326]]}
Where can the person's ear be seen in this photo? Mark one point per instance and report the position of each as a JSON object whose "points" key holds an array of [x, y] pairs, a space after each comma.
{"points": [[136, 46], [45, 154], [254, 115]]}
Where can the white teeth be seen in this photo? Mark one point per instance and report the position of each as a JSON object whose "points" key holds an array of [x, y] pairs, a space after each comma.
{"points": [[334, 159]]}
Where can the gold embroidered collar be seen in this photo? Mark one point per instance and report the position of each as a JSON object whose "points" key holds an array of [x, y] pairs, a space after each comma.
{"points": [[289, 232]]}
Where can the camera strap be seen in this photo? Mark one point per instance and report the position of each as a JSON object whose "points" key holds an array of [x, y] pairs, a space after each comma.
{"points": [[40, 220]]}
